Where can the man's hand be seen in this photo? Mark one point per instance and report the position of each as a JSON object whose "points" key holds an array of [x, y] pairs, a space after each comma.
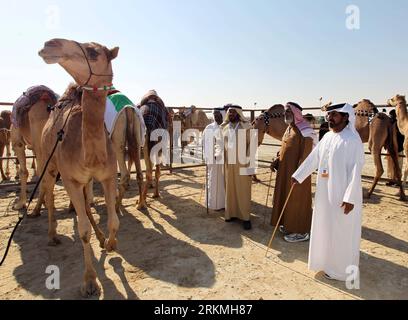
{"points": [[275, 164], [294, 181], [348, 207]]}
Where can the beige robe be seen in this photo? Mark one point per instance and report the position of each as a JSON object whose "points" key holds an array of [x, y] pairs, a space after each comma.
{"points": [[237, 186]]}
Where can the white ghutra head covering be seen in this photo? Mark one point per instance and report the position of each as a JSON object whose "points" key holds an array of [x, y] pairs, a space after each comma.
{"points": [[346, 108]]}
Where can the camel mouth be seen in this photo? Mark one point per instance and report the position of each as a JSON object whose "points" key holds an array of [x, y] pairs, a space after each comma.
{"points": [[48, 57]]}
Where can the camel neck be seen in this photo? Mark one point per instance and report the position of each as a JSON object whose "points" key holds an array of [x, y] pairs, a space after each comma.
{"points": [[401, 111], [93, 129]]}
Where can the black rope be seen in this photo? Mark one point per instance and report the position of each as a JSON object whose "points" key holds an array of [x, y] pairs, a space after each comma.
{"points": [[60, 136]]}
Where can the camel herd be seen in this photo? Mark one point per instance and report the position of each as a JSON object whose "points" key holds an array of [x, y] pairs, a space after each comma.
{"points": [[72, 138]]}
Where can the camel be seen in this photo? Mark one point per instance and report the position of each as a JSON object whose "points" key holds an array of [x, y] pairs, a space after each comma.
{"points": [[85, 151], [379, 134], [191, 118], [5, 124], [400, 104], [30, 113], [126, 136], [156, 117], [271, 122]]}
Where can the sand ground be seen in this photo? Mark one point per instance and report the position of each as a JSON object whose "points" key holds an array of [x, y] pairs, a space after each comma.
{"points": [[174, 250]]}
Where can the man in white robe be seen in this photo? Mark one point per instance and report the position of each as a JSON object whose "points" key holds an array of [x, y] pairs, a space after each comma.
{"points": [[337, 216], [212, 137]]}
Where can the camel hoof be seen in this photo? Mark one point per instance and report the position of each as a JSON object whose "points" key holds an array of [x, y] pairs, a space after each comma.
{"points": [[90, 288], [54, 242], [34, 215], [111, 245], [141, 205], [403, 198], [19, 205]]}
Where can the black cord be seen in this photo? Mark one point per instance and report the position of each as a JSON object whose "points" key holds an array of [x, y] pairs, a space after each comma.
{"points": [[60, 136]]}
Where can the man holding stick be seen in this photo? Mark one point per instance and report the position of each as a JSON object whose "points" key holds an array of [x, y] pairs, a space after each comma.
{"points": [[336, 226]]}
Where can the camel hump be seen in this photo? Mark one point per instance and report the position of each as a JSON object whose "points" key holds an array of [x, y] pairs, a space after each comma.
{"points": [[29, 98]]}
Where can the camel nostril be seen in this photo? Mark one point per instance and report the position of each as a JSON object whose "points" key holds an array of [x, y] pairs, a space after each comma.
{"points": [[52, 44]]}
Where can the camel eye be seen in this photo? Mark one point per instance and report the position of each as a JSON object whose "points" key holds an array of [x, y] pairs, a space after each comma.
{"points": [[92, 53]]}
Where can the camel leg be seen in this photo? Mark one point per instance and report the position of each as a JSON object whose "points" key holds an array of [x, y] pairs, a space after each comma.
{"points": [[90, 193], [76, 193], [47, 188], [19, 150], [8, 155], [124, 173], [33, 166], [398, 174], [3, 176], [157, 177], [149, 169], [109, 188], [379, 169], [98, 232], [139, 175]]}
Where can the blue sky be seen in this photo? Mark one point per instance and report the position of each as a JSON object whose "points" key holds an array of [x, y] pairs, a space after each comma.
{"points": [[213, 52]]}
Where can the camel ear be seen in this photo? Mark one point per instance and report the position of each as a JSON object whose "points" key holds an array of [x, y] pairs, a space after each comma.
{"points": [[113, 53]]}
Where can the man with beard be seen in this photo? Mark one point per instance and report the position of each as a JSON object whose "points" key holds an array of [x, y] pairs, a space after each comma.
{"points": [[297, 143], [238, 177], [336, 226], [213, 155]]}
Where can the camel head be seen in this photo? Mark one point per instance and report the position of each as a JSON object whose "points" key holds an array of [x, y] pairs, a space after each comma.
{"points": [[88, 63], [365, 105], [393, 102], [265, 120]]}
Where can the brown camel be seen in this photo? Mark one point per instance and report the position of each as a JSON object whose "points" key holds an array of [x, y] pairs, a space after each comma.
{"points": [[28, 121], [379, 134], [5, 124], [271, 122], [156, 117], [400, 104], [86, 151], [191, 118]]}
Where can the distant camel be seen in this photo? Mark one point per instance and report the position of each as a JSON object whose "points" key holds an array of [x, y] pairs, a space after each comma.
{"points": [[5, 123], [400, 105], [30, 113], [379, 134]]}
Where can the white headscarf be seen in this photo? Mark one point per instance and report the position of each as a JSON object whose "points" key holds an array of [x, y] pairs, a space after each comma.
{"points": [[348, 108]]}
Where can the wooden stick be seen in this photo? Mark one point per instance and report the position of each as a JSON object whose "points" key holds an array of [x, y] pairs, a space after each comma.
{"points": [[267, 197], [280, 218]]}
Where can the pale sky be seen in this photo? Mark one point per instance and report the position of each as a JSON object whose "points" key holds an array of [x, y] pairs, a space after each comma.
{"points": [[212, 52]]}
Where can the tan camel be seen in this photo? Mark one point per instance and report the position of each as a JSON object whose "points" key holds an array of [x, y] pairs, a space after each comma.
{"points": [[86, 151], [191, 118], [271, 122], [26, 131], [400, 104], [126, 140], [127, 132], [5, 124], [379, 134]]}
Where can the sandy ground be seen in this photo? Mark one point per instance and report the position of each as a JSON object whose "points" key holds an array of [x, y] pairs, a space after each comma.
{"points": [[174, 250]]}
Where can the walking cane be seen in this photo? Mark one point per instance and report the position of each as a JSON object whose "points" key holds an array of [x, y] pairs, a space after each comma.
{"points": [[267, 197], [280, 218], [206, 186]]}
